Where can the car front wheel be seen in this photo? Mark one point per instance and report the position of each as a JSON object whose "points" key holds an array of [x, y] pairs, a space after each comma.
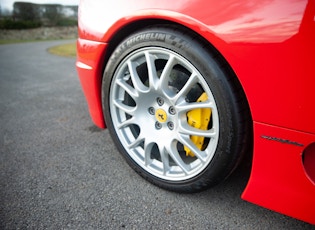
{"points": [[173, 110]]}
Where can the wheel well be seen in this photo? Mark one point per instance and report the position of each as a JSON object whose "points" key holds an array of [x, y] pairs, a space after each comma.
{"points": [[128, 29], [131, 28]]}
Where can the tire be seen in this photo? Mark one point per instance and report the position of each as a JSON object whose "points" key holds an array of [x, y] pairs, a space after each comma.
{"points": [[158, 89]]}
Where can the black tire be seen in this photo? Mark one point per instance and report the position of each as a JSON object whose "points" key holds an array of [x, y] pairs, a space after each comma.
{"points": [[147, 112]]}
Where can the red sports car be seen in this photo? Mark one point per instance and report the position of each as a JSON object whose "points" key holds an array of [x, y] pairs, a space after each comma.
{"points": [[187, 88]]}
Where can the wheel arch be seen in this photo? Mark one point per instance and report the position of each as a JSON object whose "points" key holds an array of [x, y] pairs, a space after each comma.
{"points": [[207, 39]]}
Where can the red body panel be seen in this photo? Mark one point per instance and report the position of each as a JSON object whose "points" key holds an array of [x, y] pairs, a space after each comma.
{"points": [[269, 45], [278, 180], [90, 68]]}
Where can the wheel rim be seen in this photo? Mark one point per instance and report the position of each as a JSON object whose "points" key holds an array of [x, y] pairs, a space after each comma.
{"points": [[151, 93]]}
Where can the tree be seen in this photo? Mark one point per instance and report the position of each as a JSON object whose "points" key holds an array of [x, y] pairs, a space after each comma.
{"points": [[52, 12], [25, 11]]}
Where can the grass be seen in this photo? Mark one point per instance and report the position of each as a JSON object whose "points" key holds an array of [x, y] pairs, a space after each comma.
{"points": [[66, 50]]}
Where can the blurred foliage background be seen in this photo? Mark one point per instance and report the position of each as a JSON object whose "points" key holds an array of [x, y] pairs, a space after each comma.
{"points": [[28, 15]]}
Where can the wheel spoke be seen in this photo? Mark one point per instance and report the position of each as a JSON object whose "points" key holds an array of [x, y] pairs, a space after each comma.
{"points": [[153, 78], [187, 106], [165, 161], [129, 90], [187, 129], [137, 83], [193, 79], [166, 72], [126, 123], [185, 140], [126, 108], [147, 153], [173, 152], [136, 142]]}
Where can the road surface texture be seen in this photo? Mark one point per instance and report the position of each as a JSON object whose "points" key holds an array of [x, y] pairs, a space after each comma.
{"points": [[58, 171]]}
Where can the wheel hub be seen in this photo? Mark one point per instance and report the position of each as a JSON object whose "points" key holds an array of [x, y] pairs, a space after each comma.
{"points": [[161, 115]]}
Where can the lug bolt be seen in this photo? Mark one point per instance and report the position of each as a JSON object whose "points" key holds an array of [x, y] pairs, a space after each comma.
{"points": [[172, 110], [158, 125], [160, 101], [151, 110], [170, 125]]}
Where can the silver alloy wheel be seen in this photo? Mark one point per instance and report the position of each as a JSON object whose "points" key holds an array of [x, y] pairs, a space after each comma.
{"points": [[150, 95]]}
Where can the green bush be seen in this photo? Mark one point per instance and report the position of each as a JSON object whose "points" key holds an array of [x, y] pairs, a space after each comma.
{"points": [[66, 22], [9, 24]]}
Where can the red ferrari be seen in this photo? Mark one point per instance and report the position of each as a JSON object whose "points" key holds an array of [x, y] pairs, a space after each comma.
{"points": [[187, 88]]}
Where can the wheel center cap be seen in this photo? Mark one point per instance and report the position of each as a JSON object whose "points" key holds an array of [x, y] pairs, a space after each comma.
{"points": [[161, 115]]}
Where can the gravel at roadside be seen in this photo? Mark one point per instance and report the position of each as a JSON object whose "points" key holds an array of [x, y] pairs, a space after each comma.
{"points": [[42, 33]]}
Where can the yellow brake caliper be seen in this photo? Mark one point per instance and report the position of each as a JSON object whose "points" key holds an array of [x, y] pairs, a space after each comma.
{"points": [[199, 119]]}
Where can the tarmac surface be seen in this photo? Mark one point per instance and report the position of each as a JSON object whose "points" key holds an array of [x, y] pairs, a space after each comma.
{"points": [[58, 171]]}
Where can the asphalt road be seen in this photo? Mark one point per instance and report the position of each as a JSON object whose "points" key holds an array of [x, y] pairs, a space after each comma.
{"points": [[58, 171]]}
